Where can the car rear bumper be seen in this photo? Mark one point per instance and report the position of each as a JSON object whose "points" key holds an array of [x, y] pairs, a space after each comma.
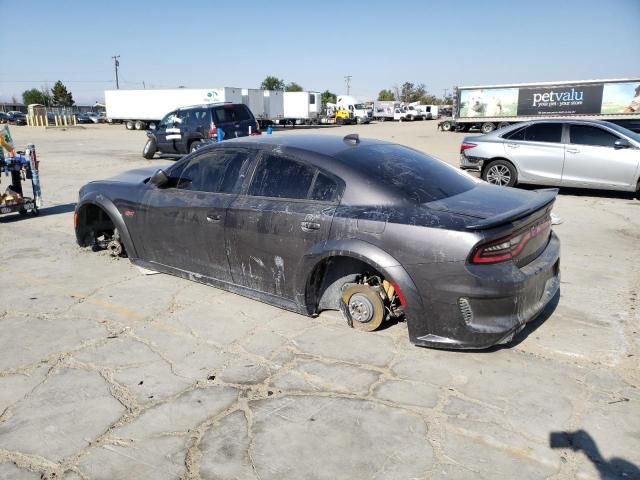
{"points": [[467, 163], [486, 306]]}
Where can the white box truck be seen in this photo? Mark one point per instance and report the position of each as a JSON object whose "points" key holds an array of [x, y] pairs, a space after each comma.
{"points": [[495, 106], [383, 109], [301, 108], [138, 109]]}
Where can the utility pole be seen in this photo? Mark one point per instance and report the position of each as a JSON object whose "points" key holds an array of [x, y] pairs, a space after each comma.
{"points": [[445, 93], [116, 64], [347, 80]]}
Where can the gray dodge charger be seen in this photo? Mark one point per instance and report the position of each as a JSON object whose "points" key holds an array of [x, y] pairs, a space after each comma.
{"points": [[376, 230]]}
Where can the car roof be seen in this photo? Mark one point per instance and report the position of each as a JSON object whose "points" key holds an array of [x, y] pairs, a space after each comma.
{"points": [[209, 105], [328, 145], [518, 125], [565, 120]]}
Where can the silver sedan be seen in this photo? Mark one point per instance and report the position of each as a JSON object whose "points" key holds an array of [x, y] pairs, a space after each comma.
{"points": [[570, 153]]}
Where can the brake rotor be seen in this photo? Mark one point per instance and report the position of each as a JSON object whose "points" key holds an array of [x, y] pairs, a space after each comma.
{"points": [[363, 307], [115, 248]]}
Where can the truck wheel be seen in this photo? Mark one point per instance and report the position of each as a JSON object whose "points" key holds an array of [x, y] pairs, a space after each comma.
{"points": [[488, 127], [150, 149], [196, 144], [129, 125], [446, 126], [382, 119], [140, 125], [500, 172], [503, 124]]}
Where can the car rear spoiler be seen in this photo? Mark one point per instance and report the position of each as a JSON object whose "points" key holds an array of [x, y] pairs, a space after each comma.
{"points": [[546, 197]]}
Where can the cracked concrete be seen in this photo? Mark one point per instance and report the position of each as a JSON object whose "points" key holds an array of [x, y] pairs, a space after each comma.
{"points": [[109, 374]]}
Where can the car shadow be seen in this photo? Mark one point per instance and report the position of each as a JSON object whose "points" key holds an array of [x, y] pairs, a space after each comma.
{"points": [[45, 211], [277, 128], [585, 192], [581, 441]]}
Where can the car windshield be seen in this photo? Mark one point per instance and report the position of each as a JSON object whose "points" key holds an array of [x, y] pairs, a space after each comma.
{"points": [[408, 172], [624, 131], [359, 106]]}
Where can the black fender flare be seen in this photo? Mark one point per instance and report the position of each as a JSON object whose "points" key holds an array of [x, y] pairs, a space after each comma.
{"points": [[359, 250], [99, 200]]}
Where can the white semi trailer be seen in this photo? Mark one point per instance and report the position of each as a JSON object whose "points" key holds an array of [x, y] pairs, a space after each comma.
{"points": [[495, 106], [266, 105], [139, 109], [301, 108]]}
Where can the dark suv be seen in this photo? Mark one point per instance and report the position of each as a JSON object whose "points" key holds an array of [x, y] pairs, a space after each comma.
{"points": [[186, 129]]}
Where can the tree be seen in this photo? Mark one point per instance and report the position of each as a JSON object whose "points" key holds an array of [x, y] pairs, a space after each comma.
{"points": [[272, 83], [293, 87], [328, 97], [412, 93], [46, 93], [386, 95], [34, 96], [428, 99], [60, 96]]}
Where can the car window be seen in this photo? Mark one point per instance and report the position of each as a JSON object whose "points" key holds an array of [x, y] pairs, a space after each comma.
{"points": [[168, 120], [198, 118], [215, 172], [282, 178], [324, 189], [538, 132], [516, 134], [231, 113], [407, 172], [588, 135], [544, 132]]}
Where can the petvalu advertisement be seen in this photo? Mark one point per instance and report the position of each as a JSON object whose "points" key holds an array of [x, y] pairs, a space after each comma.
{"points": [[613, 98]]}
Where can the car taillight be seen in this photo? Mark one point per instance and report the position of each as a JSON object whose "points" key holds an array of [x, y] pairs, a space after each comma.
{"points": [[506, 248], [213, 132], [466, 146]]}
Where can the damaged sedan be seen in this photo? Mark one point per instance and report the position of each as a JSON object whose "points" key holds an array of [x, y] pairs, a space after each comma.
{"points": [[311, 222]]}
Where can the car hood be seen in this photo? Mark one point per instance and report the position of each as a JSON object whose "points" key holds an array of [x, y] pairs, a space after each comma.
{"points": [[491, 205], [134, 176]]}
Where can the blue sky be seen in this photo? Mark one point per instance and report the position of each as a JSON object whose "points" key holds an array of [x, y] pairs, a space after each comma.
{"points": [[379, 43]]}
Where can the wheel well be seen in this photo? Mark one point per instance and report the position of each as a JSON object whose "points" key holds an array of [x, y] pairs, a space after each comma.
{"points": [[191, 142], [91, 222], [327, 278]]}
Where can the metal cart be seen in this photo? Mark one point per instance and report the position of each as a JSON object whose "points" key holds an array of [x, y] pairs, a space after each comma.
{"points": [[21, 166]]}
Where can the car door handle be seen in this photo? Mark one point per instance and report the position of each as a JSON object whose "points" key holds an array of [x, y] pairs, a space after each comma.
{"points": [[512, 145], [309, 226], [573, 150], [214, 218]]}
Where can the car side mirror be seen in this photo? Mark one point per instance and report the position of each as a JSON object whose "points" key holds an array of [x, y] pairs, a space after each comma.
{"points": [[621, 143], [159, 179]]}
